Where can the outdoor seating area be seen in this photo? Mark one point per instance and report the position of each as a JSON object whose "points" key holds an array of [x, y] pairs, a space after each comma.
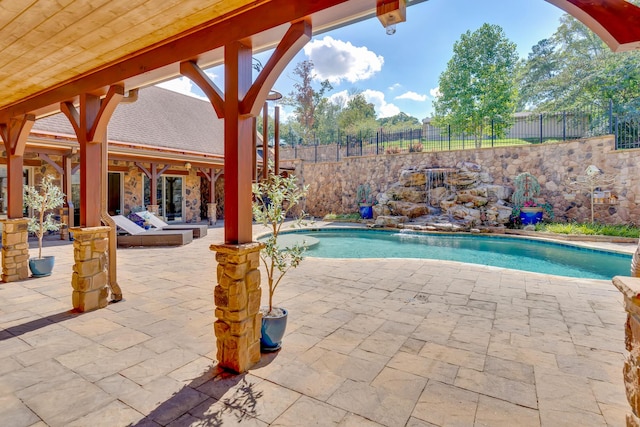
{"points": [[138, 236], [199, 230], [392, 342]]}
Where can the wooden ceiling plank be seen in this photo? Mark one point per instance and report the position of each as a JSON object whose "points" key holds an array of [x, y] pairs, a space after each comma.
{"points": [[187, 46]]}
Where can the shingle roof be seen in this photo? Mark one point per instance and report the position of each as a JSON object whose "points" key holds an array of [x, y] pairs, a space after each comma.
{"points": [[159, 118]]}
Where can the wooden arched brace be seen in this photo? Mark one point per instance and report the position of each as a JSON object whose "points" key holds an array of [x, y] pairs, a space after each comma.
{"points": [[90, 125], [14, 135]]}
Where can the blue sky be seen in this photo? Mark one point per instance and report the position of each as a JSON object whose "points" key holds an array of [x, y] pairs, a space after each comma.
{"points": [[400, 72]]}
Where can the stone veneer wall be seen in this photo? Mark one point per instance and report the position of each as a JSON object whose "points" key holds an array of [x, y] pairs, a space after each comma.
{"points": [[332, 185]]}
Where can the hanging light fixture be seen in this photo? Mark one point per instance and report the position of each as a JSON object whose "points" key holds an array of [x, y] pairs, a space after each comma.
{"points": [[390, 12]]}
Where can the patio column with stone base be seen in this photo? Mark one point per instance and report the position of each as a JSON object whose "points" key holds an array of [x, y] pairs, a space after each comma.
{"points": [[15, 250], [237, 298], [153, 209], [90, 271], [212, 214], [630, 288]]}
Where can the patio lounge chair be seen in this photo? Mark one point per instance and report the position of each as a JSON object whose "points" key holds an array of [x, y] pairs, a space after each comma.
{"points": [[199, 230], [138, 236]]}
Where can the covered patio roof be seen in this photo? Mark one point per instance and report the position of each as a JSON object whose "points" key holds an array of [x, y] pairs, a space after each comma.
{"points": [[53, 51]]}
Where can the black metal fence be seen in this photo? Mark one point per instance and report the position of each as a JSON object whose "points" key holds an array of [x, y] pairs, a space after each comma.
{"points": [[524, 128]]}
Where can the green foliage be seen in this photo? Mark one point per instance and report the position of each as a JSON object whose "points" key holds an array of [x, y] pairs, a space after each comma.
{"points": [[42, 200], [478, 83], [575, 69], [305, 99], [363, 194], [527, 188], [590, 229], [358, 115], [398, 122], [354, 217], [274, 200]]}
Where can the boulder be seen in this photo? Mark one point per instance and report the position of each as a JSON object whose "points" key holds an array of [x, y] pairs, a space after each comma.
{"points": [[411, 210], [407, 194], [497, 192], [412, 178], [381, 210], [436, 195], [390, 221]]}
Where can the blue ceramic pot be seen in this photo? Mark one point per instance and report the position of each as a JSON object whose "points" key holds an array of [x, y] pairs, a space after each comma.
{"points": [[41, 267], [530, 216], [366, 211], [272, 332]]}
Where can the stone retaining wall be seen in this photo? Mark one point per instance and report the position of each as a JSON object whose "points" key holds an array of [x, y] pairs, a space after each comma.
{"points": [[332, 185]]}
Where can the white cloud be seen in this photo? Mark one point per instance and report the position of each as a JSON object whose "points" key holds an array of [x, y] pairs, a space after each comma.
{"points": [[435, 92], [412, 96], [335, 60], [383, 109], [181, 85], [395, 86]]}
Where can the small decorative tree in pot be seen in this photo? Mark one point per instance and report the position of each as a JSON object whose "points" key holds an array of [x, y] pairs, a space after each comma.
{"points": [[365, 201], [42, 200], [274, 199], [526, 206]]}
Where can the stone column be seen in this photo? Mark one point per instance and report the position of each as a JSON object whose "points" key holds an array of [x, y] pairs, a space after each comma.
{"points": [[212, 213], [630, 288], [15, 250], [237, 299], [90, 271], [153, 209]]}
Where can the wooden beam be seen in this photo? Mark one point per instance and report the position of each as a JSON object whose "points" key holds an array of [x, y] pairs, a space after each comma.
{"points": [[276, 140], [90, 124], [186, 46], [265, 139], [191, 70], [14, 135], [237, 145], [297, 36]]}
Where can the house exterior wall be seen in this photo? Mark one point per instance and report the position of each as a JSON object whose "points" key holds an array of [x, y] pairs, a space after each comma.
{"points": [[332, 185]]}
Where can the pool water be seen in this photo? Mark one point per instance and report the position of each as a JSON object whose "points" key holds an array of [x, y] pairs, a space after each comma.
{"points": [[500, 251]]}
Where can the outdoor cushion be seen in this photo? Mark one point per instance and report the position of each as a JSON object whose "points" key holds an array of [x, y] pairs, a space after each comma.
{"points": [[199, 230], [138, 236]]}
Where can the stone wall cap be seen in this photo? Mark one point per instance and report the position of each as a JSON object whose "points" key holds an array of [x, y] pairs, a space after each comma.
{"points": [[89, 229], [237, 249], [16, 220], [630, 288]]}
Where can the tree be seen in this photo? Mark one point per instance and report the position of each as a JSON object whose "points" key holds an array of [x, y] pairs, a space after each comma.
{"points": [[478, 83], [358, 115], [305, 99], [399, 122], [575, 69]]}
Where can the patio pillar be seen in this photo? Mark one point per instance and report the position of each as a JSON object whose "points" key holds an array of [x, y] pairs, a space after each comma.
{"points": [[90, 270], [15, 250], [15, 246], [237, 295], [237, 298], [630, 288]]}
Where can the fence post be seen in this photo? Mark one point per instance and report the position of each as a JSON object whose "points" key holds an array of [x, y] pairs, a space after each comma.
{"points": [[564, 125], [338, 150], [449, 137], [610, 116], [541, 128], [377, 143], [493, 136], [316, 151], [360, 134], [617, 143]]}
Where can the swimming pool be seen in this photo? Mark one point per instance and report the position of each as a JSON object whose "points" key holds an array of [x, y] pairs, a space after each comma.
{"points": [[500, 251]]}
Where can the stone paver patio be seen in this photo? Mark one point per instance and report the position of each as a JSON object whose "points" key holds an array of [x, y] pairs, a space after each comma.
{"points": [[369, 342]]}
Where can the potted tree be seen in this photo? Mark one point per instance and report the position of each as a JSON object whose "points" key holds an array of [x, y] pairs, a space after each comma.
{"points": [[274, 200], [526, 206], [42, 200], [365, 201]]}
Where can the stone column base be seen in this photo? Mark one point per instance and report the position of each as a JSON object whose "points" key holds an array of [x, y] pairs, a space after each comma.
{"points": [[630, 288], [153, 209], [15, 250], [212, 213], [237, 299], [90, 272]]}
